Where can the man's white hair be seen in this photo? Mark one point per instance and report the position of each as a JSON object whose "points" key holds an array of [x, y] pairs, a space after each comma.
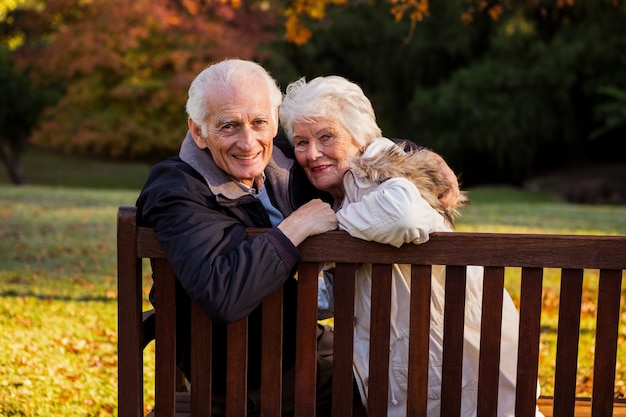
{"points": [[225, 74]]}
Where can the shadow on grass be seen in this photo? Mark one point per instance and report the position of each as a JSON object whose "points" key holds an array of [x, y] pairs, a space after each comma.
{"points": [[57, 297]]}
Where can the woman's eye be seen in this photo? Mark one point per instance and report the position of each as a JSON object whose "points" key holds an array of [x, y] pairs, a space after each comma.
{"points": [[326, 138]]}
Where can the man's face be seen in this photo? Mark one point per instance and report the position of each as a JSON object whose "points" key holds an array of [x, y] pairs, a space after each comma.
{"points": [[240, 130]]}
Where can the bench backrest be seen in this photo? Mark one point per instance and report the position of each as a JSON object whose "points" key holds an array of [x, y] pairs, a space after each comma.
{"points": [[531, 253]]}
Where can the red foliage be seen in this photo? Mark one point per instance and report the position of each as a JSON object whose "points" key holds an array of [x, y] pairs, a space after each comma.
{"points": [[127, 66]]}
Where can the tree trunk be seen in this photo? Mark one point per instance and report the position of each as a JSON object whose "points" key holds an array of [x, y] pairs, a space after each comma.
{"points": [[11, 160]]}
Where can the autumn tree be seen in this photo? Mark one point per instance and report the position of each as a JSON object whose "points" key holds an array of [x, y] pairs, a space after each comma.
{"points": [[20, 106], [505, 90], [432, 69], [533, 101], [126, 66]]}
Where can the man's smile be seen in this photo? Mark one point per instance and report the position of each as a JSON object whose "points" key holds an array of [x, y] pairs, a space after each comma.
{"points": [[247, 157]]}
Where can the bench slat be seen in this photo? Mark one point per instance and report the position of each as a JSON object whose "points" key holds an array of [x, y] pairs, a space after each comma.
{"points": [[272, 346], [487, 249], [567, 341], [607, 330], [165, 337], [306, 340], [419, 344], [454, 320], [490, 339], [130, 329], [378, 387], [237, 368], [344, 339], [529, 336], [201, 356]]}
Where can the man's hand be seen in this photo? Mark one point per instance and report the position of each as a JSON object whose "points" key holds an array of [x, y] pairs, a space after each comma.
{"points": [[313, 218]]}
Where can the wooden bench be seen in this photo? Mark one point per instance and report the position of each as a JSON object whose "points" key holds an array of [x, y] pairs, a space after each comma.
{"points": [[496, 252]]}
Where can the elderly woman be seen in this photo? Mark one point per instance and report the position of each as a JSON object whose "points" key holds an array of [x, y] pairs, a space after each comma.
{"points": [[384, 194]]}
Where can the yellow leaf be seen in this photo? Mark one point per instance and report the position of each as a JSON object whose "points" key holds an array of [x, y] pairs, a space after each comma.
{"points": [[296, 32]]}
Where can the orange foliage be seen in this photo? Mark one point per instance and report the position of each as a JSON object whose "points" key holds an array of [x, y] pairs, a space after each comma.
{"points": [[299, 10], [416, 9], [127, 66]]}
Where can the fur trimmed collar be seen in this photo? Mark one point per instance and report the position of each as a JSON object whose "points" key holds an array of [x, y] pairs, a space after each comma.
{"points": [[384, 159]]}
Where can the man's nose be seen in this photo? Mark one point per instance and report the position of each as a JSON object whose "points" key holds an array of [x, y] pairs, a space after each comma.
{"points": [[246, 138]]}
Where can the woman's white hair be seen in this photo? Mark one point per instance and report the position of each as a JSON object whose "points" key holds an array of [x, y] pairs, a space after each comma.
{"points": [[222, 75], [332, 98]]}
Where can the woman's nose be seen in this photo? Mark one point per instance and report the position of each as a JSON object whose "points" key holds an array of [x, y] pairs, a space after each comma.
{"points": [[313, 151]]}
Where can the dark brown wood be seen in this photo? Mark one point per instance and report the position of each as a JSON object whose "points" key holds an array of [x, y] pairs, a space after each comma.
{"points": [[529, 336], [378, 387], [567, 342], [237, 368], [607, 330], [419, 344], [487, 249], [306, 340], [456, 250], [344, 339], [147, 244], [201, 380], [130, 333], [165, 339], [453, 324], [582, 407], [272, 347], [490, 337]]}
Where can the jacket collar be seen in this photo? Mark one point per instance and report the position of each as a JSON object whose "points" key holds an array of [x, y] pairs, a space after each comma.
{"points": [[224, 187]]}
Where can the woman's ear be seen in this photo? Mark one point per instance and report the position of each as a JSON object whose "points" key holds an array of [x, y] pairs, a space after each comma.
{"points": [[196, 134]]}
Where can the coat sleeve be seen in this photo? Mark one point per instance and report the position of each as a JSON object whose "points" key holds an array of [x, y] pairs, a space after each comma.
{"points": [[217, 266], [393, 213]]}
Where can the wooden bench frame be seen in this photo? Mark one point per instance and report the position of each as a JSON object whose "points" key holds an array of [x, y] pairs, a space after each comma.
{"points": [[532, 253]]}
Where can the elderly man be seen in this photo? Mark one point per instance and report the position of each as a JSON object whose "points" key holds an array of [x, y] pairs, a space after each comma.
{"points": [[227, 177]]}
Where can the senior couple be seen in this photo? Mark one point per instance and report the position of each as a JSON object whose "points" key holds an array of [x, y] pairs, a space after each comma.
{"points": [[234, 172]]}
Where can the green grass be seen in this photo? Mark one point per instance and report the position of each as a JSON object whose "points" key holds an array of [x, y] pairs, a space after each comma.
{"points": [[58, 312], [495, 209], [44, 167]]}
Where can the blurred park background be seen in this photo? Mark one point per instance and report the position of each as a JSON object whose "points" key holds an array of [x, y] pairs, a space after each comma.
{"points": [[506, 90], [526, 100]]}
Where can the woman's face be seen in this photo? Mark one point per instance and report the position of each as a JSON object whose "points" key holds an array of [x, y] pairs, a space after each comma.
{"points": [[324, 148]]}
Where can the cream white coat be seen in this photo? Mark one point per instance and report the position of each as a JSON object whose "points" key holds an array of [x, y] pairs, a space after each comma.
{"points": [[395, 213]]}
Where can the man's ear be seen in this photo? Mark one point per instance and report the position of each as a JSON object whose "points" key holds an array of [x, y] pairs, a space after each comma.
{"points": [[196, 134], [276, 122]]}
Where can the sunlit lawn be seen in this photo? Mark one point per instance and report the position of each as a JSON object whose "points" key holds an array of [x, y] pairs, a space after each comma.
{"points": [[58, 312], [508, 210]]}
